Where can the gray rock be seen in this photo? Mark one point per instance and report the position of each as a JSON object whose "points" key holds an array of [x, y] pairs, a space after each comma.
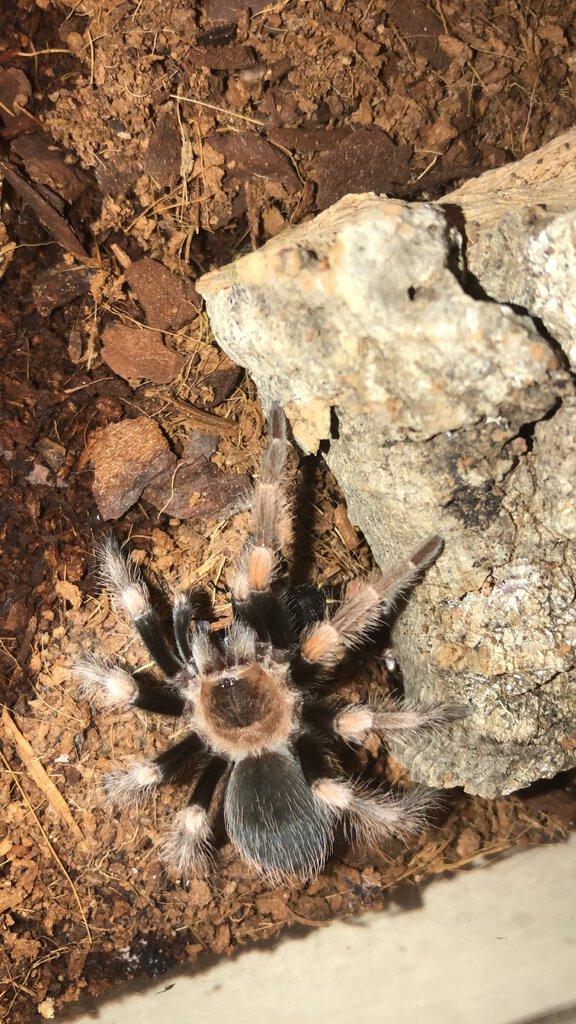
{"points": [[445, 413]]}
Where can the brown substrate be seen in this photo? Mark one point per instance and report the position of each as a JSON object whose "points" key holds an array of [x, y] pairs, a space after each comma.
{"points": [[280, 113]]}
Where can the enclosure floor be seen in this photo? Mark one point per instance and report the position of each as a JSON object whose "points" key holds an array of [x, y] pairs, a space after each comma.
{"points": [[490, 944]]}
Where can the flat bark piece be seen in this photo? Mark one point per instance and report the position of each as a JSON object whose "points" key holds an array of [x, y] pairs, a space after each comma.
{"points": [[232, 57], [310, 140], [219, 35], [197, 489], [15, 93], [47, 215], [248, 154], [368, 161], [126, 457], [229, 10], [115, 175], [169, 301], [45, 165], [59, 286], [222, 382], [139, 353], [420, 27], [163, 157]]}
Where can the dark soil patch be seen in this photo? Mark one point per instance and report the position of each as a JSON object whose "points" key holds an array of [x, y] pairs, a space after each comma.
{"points": [[279, 113]]}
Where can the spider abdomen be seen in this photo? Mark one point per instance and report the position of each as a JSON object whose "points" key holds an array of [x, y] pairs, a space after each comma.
{"points": [[273, 817]]}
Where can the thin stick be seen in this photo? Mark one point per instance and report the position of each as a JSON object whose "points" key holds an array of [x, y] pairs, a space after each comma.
{"points": [[221, 110], [40, 776]]}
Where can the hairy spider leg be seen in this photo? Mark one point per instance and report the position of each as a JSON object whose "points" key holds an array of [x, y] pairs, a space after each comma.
{"points": [[132, 786], [187, 845], [369, 816], [389, 718], [325, 644], [190, 606], [111, 686], [268, 534], [124, 581]]}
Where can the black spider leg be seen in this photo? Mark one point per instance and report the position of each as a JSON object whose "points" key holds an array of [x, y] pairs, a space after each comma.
{"points": [[319, 717], [150, 630], [312, 757], [125, 582], [159, 700], [111, 685], [268, 616], [278, 616], [205, 787], [180, 758]]}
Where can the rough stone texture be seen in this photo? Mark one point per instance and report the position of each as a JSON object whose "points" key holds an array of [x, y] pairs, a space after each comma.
{"points": [[360, 323], [520, 224]]}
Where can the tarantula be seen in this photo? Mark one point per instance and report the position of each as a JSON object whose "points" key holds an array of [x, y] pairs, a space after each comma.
{"points": [[262, 731]]}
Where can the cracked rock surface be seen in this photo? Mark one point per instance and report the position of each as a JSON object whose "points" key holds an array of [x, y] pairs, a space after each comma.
{"points": [[444, 412]]}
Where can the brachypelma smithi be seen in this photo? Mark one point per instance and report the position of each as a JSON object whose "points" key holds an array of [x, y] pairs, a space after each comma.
{"points": [[263, 728]]}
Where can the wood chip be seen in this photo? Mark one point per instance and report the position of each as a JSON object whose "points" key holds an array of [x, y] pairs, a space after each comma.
{"points": [[39, 775], [47, 215]]}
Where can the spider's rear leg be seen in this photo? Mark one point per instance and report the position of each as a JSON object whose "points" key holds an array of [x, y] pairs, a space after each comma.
{"points": [[125, 583], [363, 607], [373, 816], [187, 848], [108, 685], [134, 785], [369, 816], [270, 522], [391, 718]]}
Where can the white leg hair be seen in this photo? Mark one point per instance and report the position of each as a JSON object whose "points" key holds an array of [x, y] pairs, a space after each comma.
{"points": [[133, 786], [372, 816], [393, 718], [122, 579], [186, 848], [104, 685]]}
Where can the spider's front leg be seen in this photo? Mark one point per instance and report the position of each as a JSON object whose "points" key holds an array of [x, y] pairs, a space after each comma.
{"points": [[109, 685], [364, 605], [268, 534], [125, 583]]}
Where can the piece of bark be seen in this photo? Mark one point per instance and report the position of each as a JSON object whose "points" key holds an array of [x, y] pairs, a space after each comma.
{"points": [[139, 353], [169, 302], [221, 58], [229, 10], [163, 157], [45, 165], [59, 286], [361, 318], [126, 457], [15, 94], [197, 489], [248, 155], [47, 215], [366, 161]]}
